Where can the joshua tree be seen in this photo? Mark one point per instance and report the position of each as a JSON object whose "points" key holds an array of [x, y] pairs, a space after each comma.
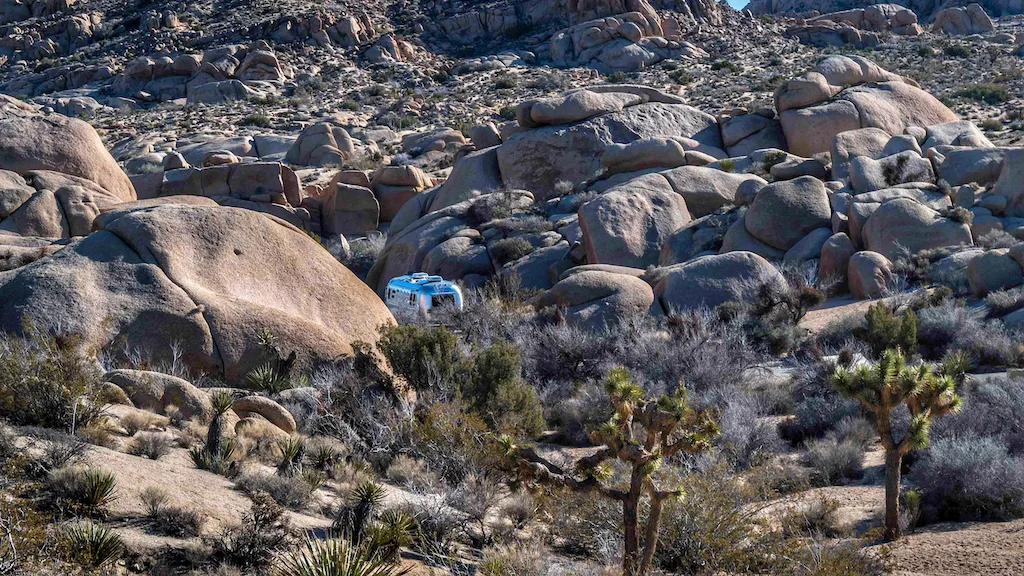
{"points": [[642, 432], [928, 392]]}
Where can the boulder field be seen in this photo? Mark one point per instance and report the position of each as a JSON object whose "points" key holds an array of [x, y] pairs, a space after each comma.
{"points": [[606, 201]]}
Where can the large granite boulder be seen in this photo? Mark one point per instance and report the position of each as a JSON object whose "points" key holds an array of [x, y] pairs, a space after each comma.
{"points": [[784, 212], [628, 224], [714, 280], [206, 281], [60, 144], [904, 225], [846, 93], [594, 299], [539, 158]]}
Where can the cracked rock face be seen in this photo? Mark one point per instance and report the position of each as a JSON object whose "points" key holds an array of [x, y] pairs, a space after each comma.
{"points": [[200, 279]]}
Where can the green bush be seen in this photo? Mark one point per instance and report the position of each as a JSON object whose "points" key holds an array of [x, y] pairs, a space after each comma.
{"points": [[957, 50], [985, 92], [887, 330], [725, 65], [495, 389], [421, 355], [44, 381], [509, 250]]}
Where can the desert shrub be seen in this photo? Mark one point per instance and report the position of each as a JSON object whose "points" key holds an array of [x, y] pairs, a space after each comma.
{"points": [[505, 81], [838, 333], [823, 557], [495, 389], [436, 526], [490, 207], [519, 509], [412, 474], [816, 517], [453, 442], [857, 430], [991, 125], [426, 357], [152, 445], [259, 119], [814, 416], [516, 559], [44, 381], [366, 417], [714, 530], [885, 330], [950, 327], [138, 421], [509, 250], [591, 527], [290, 492], [728, 65], [8, 442], [957, 50], [988, 93], [1002, 302], [338, 557], [835, 461], [89, 490], [253, 544], [969, 479], [475, 498], [179, 522], [747, 438], [996, 239], [56, 450], [992, 408], [91, 545], [154, 499]]}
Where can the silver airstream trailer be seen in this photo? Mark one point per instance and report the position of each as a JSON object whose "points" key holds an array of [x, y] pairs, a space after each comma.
{"points": [[419, 292]]}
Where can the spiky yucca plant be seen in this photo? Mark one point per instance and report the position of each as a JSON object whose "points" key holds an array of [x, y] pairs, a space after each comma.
{"points": [[667, 426], [338, 558], [292, 448], [928, 391], [221, 403], [355, 517], [92, 545]]}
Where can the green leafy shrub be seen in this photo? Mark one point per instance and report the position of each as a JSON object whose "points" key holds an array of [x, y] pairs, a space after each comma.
{"points": [[985, 92], [495, 389], [44, 381], [509, 250], [886, 330], [424, 356]]}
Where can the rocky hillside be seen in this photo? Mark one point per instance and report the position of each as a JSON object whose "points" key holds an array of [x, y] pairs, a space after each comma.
{"points": [[784, 247]]}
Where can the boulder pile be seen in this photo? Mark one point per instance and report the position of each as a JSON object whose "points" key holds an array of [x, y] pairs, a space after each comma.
{"points": [[612, 199], [963, 21], [858, 27]]}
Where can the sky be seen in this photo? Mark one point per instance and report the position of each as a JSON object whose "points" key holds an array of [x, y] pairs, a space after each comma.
{"points": [[738, 4]]}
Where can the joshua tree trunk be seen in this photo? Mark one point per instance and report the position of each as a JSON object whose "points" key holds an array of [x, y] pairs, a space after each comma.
{"points": [[630, 517], [893, 462]]}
